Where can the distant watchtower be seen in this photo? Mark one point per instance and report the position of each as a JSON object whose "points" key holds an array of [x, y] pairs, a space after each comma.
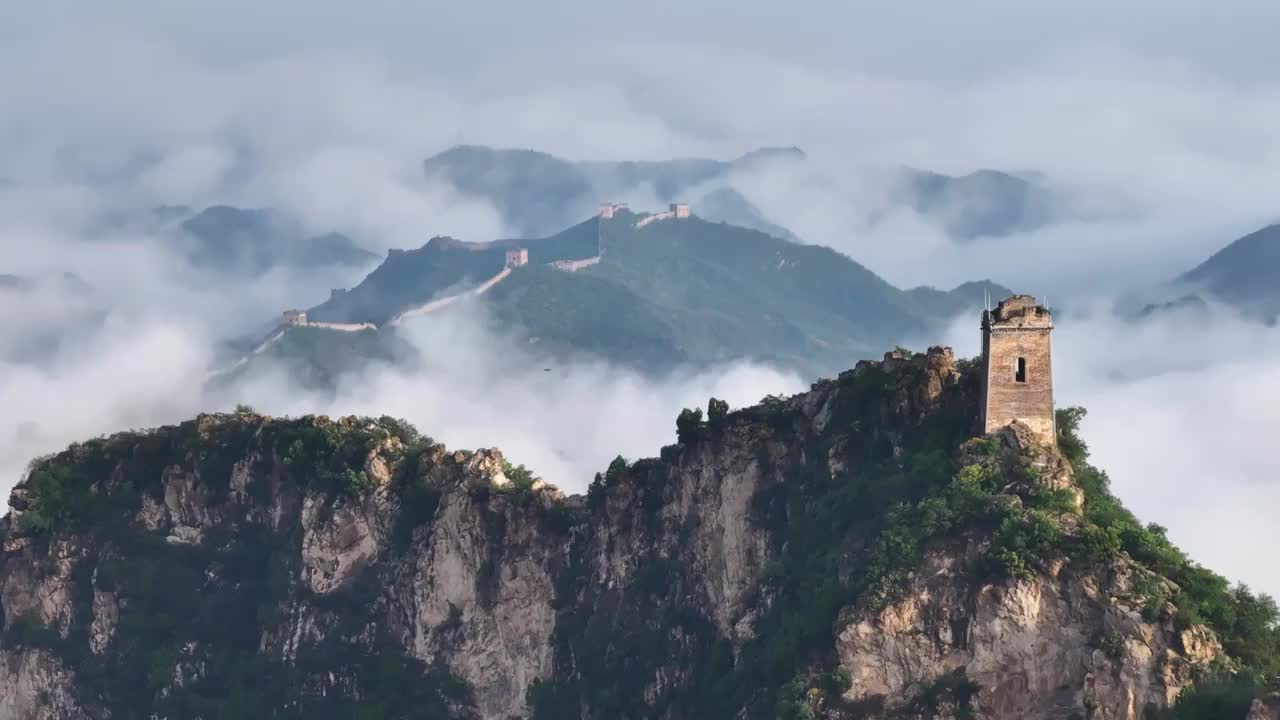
{"points": [[679, 211], [517, 257], [1017, 379], [295, 317]]}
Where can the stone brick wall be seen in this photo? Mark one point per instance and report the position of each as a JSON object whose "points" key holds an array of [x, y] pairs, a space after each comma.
{"points": [[1018, 330], [516, 258], [607, 210], [575, 265]]}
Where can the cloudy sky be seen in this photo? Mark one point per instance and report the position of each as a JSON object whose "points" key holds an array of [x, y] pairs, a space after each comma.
{"points": [[1157, 120]]}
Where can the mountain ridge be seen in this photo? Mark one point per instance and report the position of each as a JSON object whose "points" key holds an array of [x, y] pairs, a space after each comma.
{"points": [[536, 192], [698, 292], [851, 551], [1245, 273]]}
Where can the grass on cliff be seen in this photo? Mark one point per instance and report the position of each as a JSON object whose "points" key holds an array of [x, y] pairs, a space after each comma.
{"points": [[208, 606], [847, 540], [850, 543], [1247, 624], [847, 544]]}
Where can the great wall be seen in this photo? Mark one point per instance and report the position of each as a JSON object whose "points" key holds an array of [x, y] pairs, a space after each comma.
{"points": [[513, 259], [448, 300]]}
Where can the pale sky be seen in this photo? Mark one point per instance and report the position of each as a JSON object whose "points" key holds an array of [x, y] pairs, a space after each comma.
{"points": [[912, 38], [1157, 119]]}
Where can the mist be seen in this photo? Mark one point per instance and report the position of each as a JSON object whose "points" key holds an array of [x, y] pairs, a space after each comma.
{"points": [[476, 387], [1182, 409], [1159, 144]]}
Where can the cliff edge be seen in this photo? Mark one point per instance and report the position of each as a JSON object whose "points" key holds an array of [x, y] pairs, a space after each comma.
{"points": [[849, 552]]}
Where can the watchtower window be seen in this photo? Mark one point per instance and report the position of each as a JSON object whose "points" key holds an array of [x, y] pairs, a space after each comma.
{"points": [[1020, 372]]}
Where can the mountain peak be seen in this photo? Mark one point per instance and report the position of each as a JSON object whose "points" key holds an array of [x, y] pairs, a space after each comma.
{"points": [[760, 563]]}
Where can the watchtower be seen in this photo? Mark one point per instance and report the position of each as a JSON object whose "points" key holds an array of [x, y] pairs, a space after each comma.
{"points": [[680, 210], [295, 317], [608, 209], [1017, 377], [517, 257]]}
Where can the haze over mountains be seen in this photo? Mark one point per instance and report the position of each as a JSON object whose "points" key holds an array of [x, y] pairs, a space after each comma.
{"points": [[797, 548], [538, 193], [1244, 274], [242, 241], [658, 296]]}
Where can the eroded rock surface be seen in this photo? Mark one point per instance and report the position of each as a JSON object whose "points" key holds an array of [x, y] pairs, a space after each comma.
{"points": [[326, 567]]}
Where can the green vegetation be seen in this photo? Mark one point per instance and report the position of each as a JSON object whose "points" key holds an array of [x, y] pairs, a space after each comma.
{"points": [[1248, 625], [689, 426], [519, 475], [596, 491], [953, 691], [454, 621], [847, 540], [717, 413], [845, 543], [852, 541], [582, 312], [1112, 644], [669, 295], [332, 455], [1220, 695], [317, 357], [207, 605]]}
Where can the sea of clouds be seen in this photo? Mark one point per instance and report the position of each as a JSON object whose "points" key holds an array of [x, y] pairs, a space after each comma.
{"points": [[1161, 148]]}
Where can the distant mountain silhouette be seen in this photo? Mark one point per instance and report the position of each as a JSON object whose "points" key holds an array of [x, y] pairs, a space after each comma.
{"points": [[982, 203], [1244, 274], [670, 293], [537, 193], [228, 239]]}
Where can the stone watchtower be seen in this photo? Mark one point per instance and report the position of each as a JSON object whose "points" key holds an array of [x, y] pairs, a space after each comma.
{"points": [[517, 258], [1017, 377]]}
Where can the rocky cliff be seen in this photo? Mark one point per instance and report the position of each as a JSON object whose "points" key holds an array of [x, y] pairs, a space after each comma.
{"points": [[850, 552]]}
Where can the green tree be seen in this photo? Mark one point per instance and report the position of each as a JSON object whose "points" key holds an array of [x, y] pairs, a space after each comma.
{"points": [[689, 425], [717, 411], [615, 470]]}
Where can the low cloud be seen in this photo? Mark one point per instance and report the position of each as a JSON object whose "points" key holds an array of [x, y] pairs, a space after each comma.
{"points": [[565, 419], [121, 377], [1182, 416], [1162, 158]]}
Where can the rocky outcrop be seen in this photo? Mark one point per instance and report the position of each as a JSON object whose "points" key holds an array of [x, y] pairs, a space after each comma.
{"points": [[1265, 708], [1043, 647], [327, 568], [34, 684]]}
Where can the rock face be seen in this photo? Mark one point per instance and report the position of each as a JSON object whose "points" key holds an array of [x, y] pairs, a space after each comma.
{"points": [[1033, 647], [239, 566], [1265, 708]]}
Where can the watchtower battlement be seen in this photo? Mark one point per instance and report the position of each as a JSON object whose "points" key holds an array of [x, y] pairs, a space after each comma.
{"points": [[608, 209], [517, 257], [1020, 311], [1017, 379]]}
